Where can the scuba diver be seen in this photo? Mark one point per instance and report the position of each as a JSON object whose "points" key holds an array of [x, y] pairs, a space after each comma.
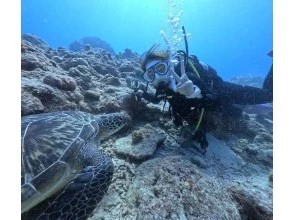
{"points": [[192, 87]]}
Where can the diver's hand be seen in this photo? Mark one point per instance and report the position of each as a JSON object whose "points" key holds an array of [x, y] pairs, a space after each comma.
{"points": [[184, 85], [135, 84], [139, 95]]}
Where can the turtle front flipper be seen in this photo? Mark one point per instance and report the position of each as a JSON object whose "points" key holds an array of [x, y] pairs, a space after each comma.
{"points": [[80, 197]]}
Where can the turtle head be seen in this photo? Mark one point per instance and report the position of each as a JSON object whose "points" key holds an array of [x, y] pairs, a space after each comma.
{"points": [[111, 123]]}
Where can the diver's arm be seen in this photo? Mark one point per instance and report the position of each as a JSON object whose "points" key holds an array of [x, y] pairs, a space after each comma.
{"points": [[244, 95], [152, 97], [140, 91]]}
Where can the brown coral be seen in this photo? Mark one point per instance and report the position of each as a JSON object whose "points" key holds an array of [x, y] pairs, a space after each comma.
{"points": [[137, 137]]}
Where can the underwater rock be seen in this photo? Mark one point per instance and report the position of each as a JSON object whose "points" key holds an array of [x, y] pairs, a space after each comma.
{"points": [[137, 137], [257, 147], [128, 54], [112, 205], [224, 125], [83, 77], [57, 59], [253, 152], [27, 47], [87, 43], [33, 61], [141, 144], [35, 41], [110, 89], [30, 104], [126, 67], [106, 69], [114, 81], [255, 136], [64, 53], [61, 82], [132, 106], [75, 72], [52, 98], [173, 188], [29, 62], [93, 95], [38, 89], [253, 204], [164, 188], [68, 63]]}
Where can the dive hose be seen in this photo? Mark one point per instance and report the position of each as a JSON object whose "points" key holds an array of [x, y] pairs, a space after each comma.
{"points": [[195, 71]]}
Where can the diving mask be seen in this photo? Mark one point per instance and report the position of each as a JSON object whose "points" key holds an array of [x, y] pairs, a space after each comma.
{"points": [[155, 70]]}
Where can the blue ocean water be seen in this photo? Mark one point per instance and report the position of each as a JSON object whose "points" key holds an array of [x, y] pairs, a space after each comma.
{"points": [[233, 36]]}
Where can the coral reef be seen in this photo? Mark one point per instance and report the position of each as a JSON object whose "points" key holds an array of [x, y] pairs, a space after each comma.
{"points": [[172, 188], [159, 173], [88, 43], [141, 144]]}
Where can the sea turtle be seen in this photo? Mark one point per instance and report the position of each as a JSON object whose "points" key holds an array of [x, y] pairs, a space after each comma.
{"points": [[60, 158]]}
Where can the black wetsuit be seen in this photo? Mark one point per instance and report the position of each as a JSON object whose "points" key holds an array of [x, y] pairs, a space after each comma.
{"points": [[217, 95]]}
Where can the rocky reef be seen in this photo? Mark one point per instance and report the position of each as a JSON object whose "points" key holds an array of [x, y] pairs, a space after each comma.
{"points": [[255, 81], [159, 174], [90, 43]]}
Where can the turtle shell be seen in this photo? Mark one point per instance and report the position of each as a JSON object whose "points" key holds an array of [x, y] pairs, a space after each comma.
{"points": [[52, 143]]}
